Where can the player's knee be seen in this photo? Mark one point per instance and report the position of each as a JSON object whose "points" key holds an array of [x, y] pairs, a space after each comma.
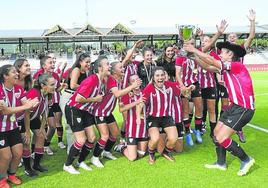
{"points": [[154, 139], [81, 140], [6, 157], [132, 157], [105, 137], [219, 138]]}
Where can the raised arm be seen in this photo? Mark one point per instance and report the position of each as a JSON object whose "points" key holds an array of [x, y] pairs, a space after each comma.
{"points": [[206, 66], [131, 51], [203, 56], [251, 17], [121, 92], [220, 29]]}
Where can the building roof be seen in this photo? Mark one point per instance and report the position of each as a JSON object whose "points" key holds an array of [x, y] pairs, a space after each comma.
{"points": [[118, 32]]}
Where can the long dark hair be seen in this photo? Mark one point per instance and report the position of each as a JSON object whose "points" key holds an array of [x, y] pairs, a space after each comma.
{"points": [[163, 56], [77, 64], [4, 71], [28, 79]]}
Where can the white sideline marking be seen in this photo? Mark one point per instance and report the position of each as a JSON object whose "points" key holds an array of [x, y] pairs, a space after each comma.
{"points": [[261, 94], [257, 127]]}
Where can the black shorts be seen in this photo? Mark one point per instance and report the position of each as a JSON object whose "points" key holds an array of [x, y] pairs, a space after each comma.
{"points": [[101, 120], [160, 122], [34, 124], [53, 109], [222, 91], [134, 141], [179, 127], [209, 93], [195, 93], [236, 117], [10, 138], [78, 119]]}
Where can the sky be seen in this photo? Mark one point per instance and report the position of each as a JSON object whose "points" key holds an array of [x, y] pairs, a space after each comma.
{"points": [[35, 14]]}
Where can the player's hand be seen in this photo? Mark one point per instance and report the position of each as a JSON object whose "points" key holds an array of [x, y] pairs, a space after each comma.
{"points": [[63, 85], [2, 105], [29, 104], [199, 32], [98, 98], [27, 138], [252, 15], [223, 25], [139, 43]]}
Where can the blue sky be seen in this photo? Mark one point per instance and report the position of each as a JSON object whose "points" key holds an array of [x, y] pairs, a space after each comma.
{"points": [[34, 14]]}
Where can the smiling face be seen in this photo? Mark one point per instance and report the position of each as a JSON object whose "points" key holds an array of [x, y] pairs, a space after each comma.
{"points": [[169, 53], [159, 78], [85, 64], [118, 69], [49, 65], [148, 56], [226, 55], [25, 69], [205, 41], [105, 68], [232, 38], [12, 76]]}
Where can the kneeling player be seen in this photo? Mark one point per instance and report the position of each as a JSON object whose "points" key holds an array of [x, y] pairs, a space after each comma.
{"points": [[136, 133]]}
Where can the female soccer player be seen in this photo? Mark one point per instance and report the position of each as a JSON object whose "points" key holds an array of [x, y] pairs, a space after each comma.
{"points": [[241, 110], [104, 118], [44, 85], [10, 138], [136, 134], [81, 122], [158, 97]]}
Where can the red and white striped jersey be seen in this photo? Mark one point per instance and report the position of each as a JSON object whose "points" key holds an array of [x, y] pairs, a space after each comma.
{"points": [[11, 98], [56, 95], [108, 103], [89, 88], [189, 70], [130, 69], [207, 78], [159, 102], [177, 104], [131, 128], [42, 105], [239, 84]]}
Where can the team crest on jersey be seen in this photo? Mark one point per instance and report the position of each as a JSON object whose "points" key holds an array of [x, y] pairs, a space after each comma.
{"points": [[78, 120], [101, 118], [2, 142], [131, 140], [168, 90], [18, 94]]}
